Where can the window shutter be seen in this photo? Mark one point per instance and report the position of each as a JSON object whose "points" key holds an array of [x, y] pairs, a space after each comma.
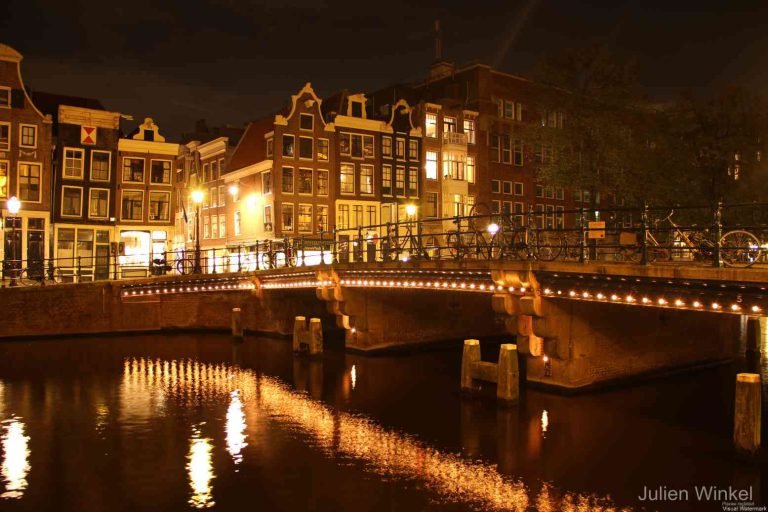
{"points": [[17, 98]]}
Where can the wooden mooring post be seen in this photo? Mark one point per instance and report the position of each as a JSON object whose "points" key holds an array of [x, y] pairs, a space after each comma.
{"points": [[237, 323], [505, 373], [746, 421], [308, 339]]}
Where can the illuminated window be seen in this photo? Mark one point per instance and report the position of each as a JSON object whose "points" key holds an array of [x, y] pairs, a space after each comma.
{"points": [[266, 182], [305, 218], [28, 136], [413, 149], [289, 142], [342, 217], [400, 181], [29, 182], [431, 125], [386, 180], [4, 179], [98, 203], [268, 217], [214, 226], [322, 218], [386, 146], [132, 205], [449, 124], [100, 165], [470, 169], [322, 183], [305, 181], [347, 178], [133, 170], [72, 201], [469, 130], [431, 165], [400, 148], [160, 172], [287, 180], [237, 223], [322, 150], [287, 216], [160, 206], [368, 146], [366, 179]]}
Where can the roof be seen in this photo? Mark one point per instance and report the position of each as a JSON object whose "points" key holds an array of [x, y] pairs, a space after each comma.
{"points": [[203, 133], [48, 103], [9, 54], [252, 147]]}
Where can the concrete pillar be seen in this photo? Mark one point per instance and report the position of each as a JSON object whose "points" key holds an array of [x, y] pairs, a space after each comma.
{"points": [[237, 323], [508, 386], [746, 423], [315, 336], [299, 326], [470, 356]]}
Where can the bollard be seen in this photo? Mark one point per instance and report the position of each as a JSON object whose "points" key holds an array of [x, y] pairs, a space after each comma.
{"points": [[299, 326], [746, 421], [470, 356], [237, 323], [754, 335], [315, 336], [508, 387]]}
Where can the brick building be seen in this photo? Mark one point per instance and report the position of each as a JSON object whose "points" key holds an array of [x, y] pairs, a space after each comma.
{"points": [[25, 168]]}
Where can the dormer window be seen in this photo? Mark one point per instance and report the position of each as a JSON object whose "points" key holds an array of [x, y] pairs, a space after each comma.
{"points": [[307, 121], [356, 108]]}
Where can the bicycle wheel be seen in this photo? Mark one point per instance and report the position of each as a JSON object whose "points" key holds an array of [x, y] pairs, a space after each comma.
{"points": [[479, 217], [519, 247], [501, 245], [266, 261], [548, 246], [478, 246], [454, 246], [739, 248]]}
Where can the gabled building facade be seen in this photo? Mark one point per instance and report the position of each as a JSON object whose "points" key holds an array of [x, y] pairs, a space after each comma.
{"points": [[25, 169]]}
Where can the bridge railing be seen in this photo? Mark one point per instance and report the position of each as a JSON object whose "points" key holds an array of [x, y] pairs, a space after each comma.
{"points": [[724, 234]]}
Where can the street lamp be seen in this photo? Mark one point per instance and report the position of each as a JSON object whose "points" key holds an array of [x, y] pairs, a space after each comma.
{"points": [[410, 210], [233, 191], [14, 205], [197, 198]]}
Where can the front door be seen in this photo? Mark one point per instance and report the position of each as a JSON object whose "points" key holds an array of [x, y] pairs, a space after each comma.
{"points": [[35, 254]]}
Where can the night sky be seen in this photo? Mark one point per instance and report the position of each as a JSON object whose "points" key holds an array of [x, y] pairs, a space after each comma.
{"points": [[230, 61]]}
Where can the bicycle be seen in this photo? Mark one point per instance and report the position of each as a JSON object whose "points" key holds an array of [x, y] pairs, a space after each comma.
{"points": [[273, 257], [471, 243], [534, 243], [409, 244]]}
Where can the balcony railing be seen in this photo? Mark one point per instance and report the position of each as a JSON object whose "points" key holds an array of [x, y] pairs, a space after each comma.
{"points": [[457, 138]]}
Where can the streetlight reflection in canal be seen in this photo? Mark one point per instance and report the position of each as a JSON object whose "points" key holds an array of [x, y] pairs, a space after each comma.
{"points": [[236, 427], [200, 469], [15, 459]]}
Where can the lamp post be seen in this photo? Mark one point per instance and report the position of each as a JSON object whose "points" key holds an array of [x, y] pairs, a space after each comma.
{"points": [[197, 198], [14, 205]]}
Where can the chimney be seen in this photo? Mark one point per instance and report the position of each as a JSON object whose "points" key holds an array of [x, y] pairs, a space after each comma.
{"points": [[440, 68]]}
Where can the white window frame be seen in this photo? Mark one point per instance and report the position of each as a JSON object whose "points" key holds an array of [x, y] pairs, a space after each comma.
{"points": [[311, 116], [64, 163], [91, 191], [431, 174], [10, 136], [39, 177], [122, 196], [72, 216], [311, 218], [109, 165], [354, 172], [327, 150], [327, 182], [373, 185], [21, 133], [427, 118], [149, 205], [507, 188], [143, 170], [7, 165], [2, 88], [386, 138], [311, 152], [311, 181], [170, 171], [272, 182], [292, 228]]}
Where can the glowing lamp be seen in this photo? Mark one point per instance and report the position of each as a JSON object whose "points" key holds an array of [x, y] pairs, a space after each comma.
{"points": [[14, 205], [493, 228], [197, 196]]}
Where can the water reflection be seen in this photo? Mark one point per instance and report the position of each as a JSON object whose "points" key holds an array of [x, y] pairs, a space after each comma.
{"points": [[15, 458], [200, 470], [236, 427], [544, 422], [384, 452], [353, 376]]}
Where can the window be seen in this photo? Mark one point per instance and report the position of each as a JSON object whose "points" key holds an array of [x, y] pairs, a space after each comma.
{"points": [[495, 186], [539, 191], [270, 147], [357, 146], [512, 110], [431, 165], [4, 179], [506, 150], [5, 97], [305, 181], [206, 227], [28, 136], [322, 183], [29, 182], [222, 195], [305, 218], [518, 152], [289, 142], [214, 226], [72, 201], [322, 150], [159, 206], [400, 148], [518, 188], [98, 203], [550, 216], [205, 173], [519, 209], [214, 171], [266, 182], [449, 124], [370, 216], [287, 216], [560, 218], [357, 108], [469, 130], [73, 163], [133, 203], [306, 147], [206, 200], [5, 136], [507, 208], [306, 121], [550, 192], [236, 222], [430, 210], [222, 226], [508, 187], [133, 169], [453, 165], [494, 145], [509, 109], [160, 171], [386, 146], [345, 145], [413, 181], [386, 180], [100, 163], [366, 179], [268, 217], [431, 125], [470, 169], [347, 178], [495, 206], [400, 181], [560, 194], [287, 180], [322, 218], [413, 149], [357, 214], [368, 146], [66, 247], [342, 217]]}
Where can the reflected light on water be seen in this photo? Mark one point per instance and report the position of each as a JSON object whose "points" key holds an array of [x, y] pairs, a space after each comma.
{"points": [[15, 458], [384, 452], [235, 427], [544, 422], [200, 470], [353, 376]]}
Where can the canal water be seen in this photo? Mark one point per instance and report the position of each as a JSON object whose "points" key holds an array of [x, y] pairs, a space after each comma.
{"points": [[185, 422]]}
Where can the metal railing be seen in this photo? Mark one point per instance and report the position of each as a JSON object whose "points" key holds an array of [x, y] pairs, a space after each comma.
{"points": [[734, 235]]}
